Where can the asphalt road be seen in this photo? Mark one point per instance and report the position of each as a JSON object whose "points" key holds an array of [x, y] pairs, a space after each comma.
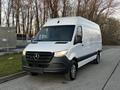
{"points": [[105, 76]]}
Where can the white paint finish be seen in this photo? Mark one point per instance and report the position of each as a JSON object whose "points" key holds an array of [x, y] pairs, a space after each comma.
{"points": [[81, 63], [47, 47], [71, 21]]}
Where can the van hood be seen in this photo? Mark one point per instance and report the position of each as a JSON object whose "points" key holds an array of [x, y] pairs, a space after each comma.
{"points": [[48, 46]]}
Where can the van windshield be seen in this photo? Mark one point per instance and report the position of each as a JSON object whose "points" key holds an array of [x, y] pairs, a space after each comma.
{"points": [[55, 33]]}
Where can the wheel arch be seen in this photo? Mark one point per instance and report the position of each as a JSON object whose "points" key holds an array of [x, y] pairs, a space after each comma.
{"points": [[76, 61]]}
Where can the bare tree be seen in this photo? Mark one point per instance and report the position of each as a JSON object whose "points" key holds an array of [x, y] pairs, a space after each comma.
{"points": [[29, 15], [64, 8], [36, 15], [92, 9], [13, 12], [45, 11], [24, 16], [8, 13], [53, 5], [31, 20], [17, 3]]}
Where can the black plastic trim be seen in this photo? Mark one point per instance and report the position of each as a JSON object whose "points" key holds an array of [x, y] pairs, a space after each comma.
{"points": [[86, 56], [57, 65]]}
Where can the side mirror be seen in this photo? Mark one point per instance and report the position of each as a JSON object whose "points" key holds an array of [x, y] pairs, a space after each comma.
{"points": [[78, 39], [32, 39]]}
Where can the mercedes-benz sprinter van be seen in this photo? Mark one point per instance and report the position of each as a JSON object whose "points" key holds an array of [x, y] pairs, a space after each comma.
{"points": [[62, 46]]}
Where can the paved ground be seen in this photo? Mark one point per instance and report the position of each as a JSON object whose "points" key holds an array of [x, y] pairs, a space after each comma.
{"points": [[105, 76]]}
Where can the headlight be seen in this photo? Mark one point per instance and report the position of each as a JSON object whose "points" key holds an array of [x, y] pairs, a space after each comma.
{"points": [[24, 53], [60, 53]]}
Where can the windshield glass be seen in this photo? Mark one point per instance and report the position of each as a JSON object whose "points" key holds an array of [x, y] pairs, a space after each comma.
{"points": [[55, 33]]}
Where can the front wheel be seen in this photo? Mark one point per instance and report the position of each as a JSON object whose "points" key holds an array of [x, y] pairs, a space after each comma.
{"points": [[71, 75]]}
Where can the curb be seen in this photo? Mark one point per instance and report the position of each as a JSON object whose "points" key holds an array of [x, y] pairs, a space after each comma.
{"points": [[12, 77]]}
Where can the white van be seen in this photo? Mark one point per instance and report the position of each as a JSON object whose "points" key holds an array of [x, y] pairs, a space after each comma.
{"points": [[62, 46]]}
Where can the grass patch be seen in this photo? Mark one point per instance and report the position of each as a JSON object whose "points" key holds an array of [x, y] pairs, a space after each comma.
{"points": [[10, 64]]}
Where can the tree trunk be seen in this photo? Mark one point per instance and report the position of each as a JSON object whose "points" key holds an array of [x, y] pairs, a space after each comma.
{"points": [[13, 13], [78, 8], [23, 22], [28, 17], [31, 21], [17, 16], [64, 8], [37, 16]]}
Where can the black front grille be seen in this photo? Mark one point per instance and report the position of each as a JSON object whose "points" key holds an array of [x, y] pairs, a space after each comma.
{"points": [[39, 59]]}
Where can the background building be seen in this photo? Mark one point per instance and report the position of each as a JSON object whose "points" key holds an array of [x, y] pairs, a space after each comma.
{"points": [[8, 37]]}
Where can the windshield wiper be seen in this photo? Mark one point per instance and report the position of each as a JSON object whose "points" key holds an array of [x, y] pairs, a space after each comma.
{"points": [[37, 40], [62, 42]]}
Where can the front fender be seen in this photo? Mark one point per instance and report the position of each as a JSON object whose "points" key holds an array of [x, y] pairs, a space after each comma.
{"points": [[71, 56]]}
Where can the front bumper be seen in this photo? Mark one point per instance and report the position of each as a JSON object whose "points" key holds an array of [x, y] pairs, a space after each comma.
{"points": [[56, 65]]}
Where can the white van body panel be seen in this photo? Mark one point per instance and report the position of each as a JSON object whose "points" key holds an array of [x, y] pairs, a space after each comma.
{"points": [[47, 47], [80, 64], [63, 21]]}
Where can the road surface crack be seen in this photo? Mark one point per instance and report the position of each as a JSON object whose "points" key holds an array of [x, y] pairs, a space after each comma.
{"points": [[103, 88]]}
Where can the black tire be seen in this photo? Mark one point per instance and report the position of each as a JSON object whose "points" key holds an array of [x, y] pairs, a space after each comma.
{"points": [[33, 74], [71, 74], [97, 60]]}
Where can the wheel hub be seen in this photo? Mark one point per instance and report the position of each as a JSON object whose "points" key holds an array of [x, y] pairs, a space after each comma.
{"points": [[73, 71]]}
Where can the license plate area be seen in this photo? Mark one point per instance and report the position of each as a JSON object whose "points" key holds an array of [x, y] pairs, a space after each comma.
{"points": [[38, 70]]}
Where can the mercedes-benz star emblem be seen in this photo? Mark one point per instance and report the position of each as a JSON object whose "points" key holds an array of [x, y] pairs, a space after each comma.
{"points": [[36, 56]]}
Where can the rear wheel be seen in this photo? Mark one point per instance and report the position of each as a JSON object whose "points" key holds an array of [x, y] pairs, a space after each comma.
{"points": [[97, 60], [71, 74]]}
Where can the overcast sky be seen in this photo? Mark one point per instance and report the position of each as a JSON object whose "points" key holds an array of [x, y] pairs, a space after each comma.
{"points": [[117, 10]]}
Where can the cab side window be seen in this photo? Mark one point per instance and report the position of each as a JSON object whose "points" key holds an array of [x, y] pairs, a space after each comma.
{"points": [[78, 37]]}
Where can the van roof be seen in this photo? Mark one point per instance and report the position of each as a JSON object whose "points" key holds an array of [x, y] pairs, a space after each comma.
{"points": [[70, 21]]}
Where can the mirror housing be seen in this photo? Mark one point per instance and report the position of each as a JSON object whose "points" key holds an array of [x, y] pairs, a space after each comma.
{"points": [[78, 39], [32, 38]]}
